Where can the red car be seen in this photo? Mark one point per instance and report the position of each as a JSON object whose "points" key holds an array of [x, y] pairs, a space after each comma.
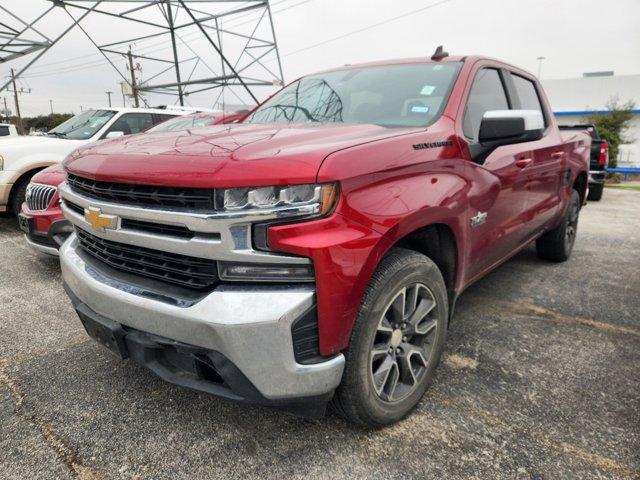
{"points": [[315, 251], [41, 218]]}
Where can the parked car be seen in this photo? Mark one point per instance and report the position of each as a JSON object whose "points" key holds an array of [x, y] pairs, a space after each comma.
{"points": [[23, 156], [315, 251], [41, 217], [197, 120], [8, 130], [599, 159]]}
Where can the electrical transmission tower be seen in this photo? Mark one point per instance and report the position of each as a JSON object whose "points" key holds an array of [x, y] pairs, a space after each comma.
{"points": [[185, 47]]}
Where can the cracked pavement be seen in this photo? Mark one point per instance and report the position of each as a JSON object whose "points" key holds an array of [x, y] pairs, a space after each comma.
{"points": [[540, 379]]}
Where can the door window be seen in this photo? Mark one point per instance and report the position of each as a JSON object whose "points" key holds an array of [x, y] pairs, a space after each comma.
{"points": [[487, 93], [526, 91], [161, 117], [4, 131], [131, 123]]}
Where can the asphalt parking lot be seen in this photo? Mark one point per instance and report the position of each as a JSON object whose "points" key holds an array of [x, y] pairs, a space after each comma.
{"points": [[541, 379]]}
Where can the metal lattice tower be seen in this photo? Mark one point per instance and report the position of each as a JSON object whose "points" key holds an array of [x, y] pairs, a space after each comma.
{"points": [[186, 46]]}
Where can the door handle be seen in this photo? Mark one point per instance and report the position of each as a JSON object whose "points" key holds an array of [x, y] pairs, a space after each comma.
{"points": [[523, 162], [557, 155]]}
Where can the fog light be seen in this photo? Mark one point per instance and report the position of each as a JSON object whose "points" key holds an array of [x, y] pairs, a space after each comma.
{"points": [[265, 273]]}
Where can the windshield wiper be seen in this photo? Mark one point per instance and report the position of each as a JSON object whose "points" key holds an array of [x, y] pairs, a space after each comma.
{"points": [[57, 134]]}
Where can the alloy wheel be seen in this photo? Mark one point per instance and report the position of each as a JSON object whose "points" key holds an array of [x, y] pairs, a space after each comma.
{"points": [[402, 346], [572, 226]]}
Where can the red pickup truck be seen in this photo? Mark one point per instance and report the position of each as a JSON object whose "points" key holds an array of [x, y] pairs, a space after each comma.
{"points": [[314, 252]]}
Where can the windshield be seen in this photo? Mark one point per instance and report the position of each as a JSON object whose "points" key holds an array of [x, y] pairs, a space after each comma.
{"points": [[407, 95], [184, 123], [83, 126]]}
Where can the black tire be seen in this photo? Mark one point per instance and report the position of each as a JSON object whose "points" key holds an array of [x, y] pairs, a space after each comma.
{"points": [[357, 398], [595, 192], [18, 195], [557, 244]]}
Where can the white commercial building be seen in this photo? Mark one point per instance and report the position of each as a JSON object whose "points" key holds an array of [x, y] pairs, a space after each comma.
{"points": [[573, 99]]}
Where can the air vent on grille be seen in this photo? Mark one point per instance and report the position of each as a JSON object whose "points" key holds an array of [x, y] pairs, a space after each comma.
{"points": [[182, 270], [144, 195], [38, 197]]}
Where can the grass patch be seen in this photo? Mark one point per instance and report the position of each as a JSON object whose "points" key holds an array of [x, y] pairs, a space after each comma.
{"points": [[622, 186]]}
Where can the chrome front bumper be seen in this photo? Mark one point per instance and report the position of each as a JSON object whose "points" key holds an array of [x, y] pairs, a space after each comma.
{"points": [[51, 251], [251, 326]]}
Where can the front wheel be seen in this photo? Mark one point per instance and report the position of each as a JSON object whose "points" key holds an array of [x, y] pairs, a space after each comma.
{"points": [[556, 245], [396, 342], [18, 196]]}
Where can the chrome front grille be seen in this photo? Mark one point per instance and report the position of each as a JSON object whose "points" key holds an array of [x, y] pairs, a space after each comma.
{"points": [[167, 244], [38, 196], [181, 270], [190, 199]]}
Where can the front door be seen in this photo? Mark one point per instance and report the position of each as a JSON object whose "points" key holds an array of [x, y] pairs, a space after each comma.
{"points": [[496, 217]]}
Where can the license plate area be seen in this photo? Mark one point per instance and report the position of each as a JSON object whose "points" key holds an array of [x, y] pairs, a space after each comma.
{"points": [[105, 332], [24, 222]]}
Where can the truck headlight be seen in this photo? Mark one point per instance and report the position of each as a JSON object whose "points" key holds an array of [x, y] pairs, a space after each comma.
{"points": [[281, 198]]}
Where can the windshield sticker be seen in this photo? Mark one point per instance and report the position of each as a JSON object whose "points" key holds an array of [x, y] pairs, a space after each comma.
{"points": [[419, 109], [427, 90]]}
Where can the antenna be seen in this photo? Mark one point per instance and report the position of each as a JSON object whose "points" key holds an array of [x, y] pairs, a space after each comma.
{"points": [[439, 54]]}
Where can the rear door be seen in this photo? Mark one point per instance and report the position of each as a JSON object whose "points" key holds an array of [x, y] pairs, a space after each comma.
{"points": [[543, 174]]}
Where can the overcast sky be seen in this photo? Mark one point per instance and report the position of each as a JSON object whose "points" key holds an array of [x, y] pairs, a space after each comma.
{"points": [[574, 36]]}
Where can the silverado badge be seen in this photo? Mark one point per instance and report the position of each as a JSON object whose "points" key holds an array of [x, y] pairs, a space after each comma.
{"points": [[98, 220], [479, 219]]}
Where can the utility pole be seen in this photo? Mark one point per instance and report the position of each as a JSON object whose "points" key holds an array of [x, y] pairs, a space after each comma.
{"points": [[134, 86], [176, 63], [540, 59], [51, 105], [15, 97], [108, 92]]}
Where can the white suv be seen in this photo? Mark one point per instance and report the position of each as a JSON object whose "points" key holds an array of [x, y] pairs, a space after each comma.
{"points": [[21, 157]]}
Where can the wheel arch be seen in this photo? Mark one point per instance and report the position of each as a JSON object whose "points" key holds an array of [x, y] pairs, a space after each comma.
{"points": [[438, 242], [21, 178], [580, 185]]}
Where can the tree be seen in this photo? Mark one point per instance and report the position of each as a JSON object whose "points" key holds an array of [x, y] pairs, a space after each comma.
{"points": [[45, 122], [613, 125]]}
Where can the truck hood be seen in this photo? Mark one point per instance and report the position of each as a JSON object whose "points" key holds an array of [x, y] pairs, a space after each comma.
{"points": [[51, 148], [222, 156], [53, 175]]}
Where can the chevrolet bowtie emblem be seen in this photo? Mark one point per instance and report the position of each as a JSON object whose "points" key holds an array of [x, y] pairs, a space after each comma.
{"points": [[98, 220]]}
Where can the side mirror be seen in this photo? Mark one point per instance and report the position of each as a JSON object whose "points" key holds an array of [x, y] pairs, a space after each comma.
{"points": [[511, 126], [114, 134], [506, 127]]}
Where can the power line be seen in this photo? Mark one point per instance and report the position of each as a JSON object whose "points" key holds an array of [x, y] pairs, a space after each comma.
{"points": [[88, 55], [363, 29]]}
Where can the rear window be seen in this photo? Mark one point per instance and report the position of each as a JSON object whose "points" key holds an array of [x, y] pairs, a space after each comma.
{"points": [[4, 131]]}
